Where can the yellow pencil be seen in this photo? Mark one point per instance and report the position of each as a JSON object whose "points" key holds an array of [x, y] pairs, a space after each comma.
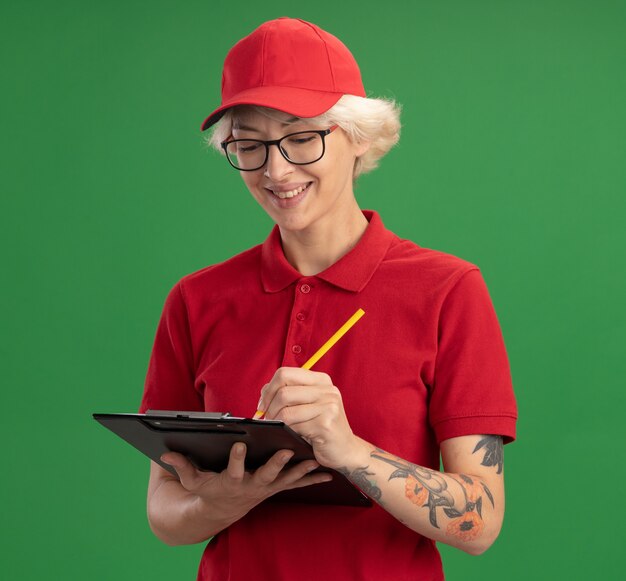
{"points": [[324, 349]]}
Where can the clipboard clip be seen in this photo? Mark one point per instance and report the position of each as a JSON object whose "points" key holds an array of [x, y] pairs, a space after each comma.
{"points": [[185, 415]]}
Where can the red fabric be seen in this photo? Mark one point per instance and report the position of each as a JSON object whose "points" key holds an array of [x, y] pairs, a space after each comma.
{"points": [[290, 65], [426, 362]]}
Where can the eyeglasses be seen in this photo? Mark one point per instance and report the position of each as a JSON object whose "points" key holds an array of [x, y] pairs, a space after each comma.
{"points": [[300, 148]]}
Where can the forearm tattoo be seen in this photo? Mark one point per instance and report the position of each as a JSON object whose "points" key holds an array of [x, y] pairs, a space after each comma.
{"points": [[359, 477], [423, 487], [428, 489]]}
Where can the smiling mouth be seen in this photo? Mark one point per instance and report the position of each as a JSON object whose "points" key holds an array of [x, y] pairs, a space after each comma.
{"points": [[290, 193]]}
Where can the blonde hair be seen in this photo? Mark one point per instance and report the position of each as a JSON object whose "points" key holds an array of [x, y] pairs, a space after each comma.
{"points": [[362, 119]]}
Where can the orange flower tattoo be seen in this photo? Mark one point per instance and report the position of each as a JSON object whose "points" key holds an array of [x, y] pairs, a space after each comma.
{"points": [[415, 491], [467, 527]]}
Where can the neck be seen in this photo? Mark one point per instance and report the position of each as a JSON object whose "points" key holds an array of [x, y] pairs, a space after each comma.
{"points": [[313, 250]]}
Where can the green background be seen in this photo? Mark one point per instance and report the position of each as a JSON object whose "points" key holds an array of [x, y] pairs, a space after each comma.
{"points": [[512, 156]]}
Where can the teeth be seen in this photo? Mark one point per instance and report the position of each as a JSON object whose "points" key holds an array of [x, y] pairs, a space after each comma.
{"points": [[290, 194]]}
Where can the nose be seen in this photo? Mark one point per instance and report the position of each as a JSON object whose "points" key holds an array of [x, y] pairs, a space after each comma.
{"points": [[276, 167]]}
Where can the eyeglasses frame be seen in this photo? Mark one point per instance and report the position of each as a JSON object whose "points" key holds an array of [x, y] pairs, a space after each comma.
{"points": [[321, 132]]}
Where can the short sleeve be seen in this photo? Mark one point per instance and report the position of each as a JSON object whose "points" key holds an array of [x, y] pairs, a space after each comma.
{"points": [[472, 392], [170, 378]]}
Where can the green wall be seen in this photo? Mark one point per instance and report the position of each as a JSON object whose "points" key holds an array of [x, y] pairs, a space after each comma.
{"points": [[512, 156]]}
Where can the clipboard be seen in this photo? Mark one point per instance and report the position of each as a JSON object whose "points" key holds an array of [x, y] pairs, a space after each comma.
{"points": [[207, 437]]}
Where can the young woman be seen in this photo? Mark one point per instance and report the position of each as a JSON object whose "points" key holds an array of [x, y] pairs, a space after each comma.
{"points": [[423, 375]]}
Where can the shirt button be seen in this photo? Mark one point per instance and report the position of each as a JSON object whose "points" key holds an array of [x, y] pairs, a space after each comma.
{"points": [[305, 288], [300, 317], [296, 349]]}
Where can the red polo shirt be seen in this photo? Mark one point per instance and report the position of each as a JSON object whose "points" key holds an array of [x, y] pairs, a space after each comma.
{"points": [[427, 362]]}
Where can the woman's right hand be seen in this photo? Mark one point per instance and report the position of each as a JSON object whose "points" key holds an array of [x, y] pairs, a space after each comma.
{"points": [[221, 498]]}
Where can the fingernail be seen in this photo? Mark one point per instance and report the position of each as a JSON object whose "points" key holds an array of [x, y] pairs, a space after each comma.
{"points": [[258, 406], [287, 456], [312, 467]]}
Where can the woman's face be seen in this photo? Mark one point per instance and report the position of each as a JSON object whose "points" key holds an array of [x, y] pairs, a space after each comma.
{"points": [[298, 197]]}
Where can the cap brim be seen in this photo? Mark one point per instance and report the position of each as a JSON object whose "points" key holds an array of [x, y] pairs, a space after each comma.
{"points": [[296, 102]]}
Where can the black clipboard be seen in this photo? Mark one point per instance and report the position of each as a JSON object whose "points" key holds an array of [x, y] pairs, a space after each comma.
{"points": [[207, 437]]}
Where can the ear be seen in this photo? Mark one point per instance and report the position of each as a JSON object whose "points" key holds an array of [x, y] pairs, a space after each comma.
{"points": [[361, 147]]}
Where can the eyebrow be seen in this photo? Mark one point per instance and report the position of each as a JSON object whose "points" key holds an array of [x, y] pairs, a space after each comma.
{"points": [[246, 128]]}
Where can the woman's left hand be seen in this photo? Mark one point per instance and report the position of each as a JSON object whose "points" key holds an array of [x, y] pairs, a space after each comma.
{"points": [[309, 403]]}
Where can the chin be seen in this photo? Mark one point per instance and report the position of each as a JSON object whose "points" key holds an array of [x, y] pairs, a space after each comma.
{"points": [[293, 220], [291, 223]]}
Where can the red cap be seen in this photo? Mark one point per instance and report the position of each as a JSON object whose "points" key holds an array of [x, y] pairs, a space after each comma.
{"points": [[290, 65]]}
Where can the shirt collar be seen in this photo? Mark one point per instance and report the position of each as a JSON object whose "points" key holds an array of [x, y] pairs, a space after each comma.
{"points": [[352, 272]]}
